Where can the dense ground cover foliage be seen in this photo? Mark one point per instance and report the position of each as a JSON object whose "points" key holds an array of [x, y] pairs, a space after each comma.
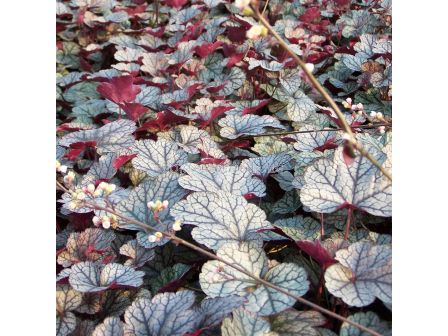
{"points": [[205, 187]]}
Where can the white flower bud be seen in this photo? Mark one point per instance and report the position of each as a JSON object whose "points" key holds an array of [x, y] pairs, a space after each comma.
{"points": [[91, 188], [109, 188], [151, 205], [379, 115], [102, 185], [158, 234], [165, 204], [360, 112], [360, 106], [96, 220], [256, 31], [63, 169], [105, 222], [177, 225], [382, 129], [309, 66], [241, 4], [354, 107], [349, 100], [373, 114], [152, 238]]}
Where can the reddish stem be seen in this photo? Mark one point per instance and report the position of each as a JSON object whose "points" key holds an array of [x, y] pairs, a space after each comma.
{"points": [[322, 229], [347, 223]]}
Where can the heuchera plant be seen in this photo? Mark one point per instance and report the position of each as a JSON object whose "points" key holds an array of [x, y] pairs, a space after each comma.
{"points": [[205, 185]]}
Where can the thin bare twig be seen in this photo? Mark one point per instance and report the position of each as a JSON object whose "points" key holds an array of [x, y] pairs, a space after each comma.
{"points": [[346, 128], [237, 267], [314, 131]]}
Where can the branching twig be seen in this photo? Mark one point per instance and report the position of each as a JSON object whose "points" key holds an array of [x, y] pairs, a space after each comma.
{"points": [[237, 267], [346, 128]]}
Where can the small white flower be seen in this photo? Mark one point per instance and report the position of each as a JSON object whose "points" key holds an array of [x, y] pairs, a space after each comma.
{"points": [[158, 235], [354, 108], [63, 169], [96, 220], [165, 204], [382, 129], [105, 222], [177, 225], [152, 238], [150, 205], [256, 31], [373, 114], [309, 66], [69, 178], [241, 4], [360, 106], [379, 115], [109, 188], [102, 185], [349, 100], [91, 188]]}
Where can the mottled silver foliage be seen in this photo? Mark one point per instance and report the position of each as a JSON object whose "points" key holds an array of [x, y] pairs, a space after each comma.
{"points": [[263, 166], [270, 66], [168, 275], [102, 169], [213, 310], [167, 314], [164, 187], [66, 324], [329, 184], [157, 157], [216, 178], [79, 244], [109, 138], [364, 272], [219, 280], [267, 301], [307, 142], [90, 277], [137, 254], [245, 323], [292, 323], [67, 300], [111, 326], [299, 228], [220, 217], [369, 320], [234, 126]]}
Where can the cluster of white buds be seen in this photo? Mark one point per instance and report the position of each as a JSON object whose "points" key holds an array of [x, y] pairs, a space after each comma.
{"points": [[177, 226], [382, 129], [78, 197], [256, 31], [103, 189], [105, 221], [243, 6], [69, 178], [376, 115], [157, 206], [357, 108], [60, 168], [156, 237]]}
